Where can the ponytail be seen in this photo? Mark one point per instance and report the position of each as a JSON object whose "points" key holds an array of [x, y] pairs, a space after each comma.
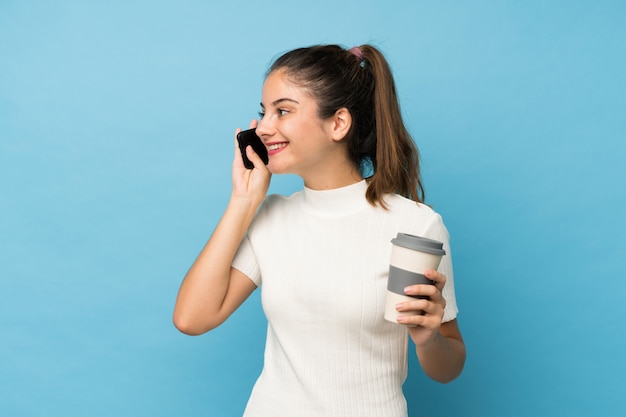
{"points": [[396, 165]]}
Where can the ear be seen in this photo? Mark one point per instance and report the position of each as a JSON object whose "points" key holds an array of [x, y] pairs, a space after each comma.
{"points": [[340, 125]]}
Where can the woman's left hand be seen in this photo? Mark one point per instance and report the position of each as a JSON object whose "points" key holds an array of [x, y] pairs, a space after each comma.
{"points": [[426, 325]]}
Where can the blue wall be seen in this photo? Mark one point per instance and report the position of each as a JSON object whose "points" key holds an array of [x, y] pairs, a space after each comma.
{"points": [[116, 122]]}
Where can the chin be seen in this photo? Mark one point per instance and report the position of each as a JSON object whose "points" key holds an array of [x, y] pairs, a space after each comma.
{"points": [[278, 169]]}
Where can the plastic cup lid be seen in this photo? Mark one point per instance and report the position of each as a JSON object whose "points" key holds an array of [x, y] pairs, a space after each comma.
{"points": [[419, 243]]}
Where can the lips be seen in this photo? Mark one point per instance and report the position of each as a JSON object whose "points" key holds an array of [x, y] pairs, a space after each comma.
{"points": [[273, 148]]}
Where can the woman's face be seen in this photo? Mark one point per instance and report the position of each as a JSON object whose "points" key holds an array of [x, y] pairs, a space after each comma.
{"points": [[298, 141]]}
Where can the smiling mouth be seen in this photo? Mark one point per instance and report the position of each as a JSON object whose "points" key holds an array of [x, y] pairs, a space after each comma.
{"points": [[276, 146]]}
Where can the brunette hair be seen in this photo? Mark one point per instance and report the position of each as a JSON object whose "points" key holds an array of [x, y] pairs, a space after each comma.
{"points": [[360, 80]]}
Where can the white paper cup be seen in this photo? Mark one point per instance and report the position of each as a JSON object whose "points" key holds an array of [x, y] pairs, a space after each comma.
{"points": [[411, 256]]}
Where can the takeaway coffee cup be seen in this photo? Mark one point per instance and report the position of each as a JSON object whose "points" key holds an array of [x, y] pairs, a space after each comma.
{"points": [[411, 256]]}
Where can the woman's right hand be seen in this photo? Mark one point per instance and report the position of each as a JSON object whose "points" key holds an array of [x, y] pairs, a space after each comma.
{"points": [[250, 183]]}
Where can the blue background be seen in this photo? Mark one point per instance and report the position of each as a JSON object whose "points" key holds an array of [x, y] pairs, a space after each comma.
{"points": [[116, 124]]}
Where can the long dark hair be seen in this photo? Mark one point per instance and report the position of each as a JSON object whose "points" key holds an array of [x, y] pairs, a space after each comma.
{"points": [[360, 80]]}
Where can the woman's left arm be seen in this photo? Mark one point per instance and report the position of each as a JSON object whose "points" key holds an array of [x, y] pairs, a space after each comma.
{"points": [[439, 346]]}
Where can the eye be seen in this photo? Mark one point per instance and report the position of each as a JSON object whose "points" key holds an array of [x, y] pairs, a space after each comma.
{"points": [[261, 114], [282, 112]]}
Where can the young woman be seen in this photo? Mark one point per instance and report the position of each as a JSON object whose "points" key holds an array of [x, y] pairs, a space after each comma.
{"points": [[321, 256]]}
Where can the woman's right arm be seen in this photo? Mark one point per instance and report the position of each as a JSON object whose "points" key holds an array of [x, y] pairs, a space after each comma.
{"points": [[212, 290]]}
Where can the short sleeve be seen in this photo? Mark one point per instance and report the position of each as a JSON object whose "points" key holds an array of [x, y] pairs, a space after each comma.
{"points": [[438, 231], [245, 261]]}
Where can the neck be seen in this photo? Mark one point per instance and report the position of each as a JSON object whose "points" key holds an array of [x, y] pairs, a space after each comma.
{"points": [[330, 179], [336, 202]]}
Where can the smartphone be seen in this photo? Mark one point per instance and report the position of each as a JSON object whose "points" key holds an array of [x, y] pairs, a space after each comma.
{"points": [[249, 137]]}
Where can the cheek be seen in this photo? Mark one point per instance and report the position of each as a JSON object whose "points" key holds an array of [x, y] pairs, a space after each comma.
{"points": [[281, 162], [291, 129]]}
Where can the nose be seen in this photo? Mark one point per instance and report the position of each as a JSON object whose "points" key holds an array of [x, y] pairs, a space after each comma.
{"points": [[265, 128]]}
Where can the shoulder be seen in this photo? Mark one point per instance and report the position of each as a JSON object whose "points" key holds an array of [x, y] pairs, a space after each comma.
{"points": [[274, 202], [277, 206], [414, 217], [401, 206]]}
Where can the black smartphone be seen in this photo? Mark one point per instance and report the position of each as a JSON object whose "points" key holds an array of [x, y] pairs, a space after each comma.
{"points": [[249, 137]]}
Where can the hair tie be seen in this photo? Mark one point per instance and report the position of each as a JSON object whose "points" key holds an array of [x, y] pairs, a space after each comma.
{"points": [[356, 51]]}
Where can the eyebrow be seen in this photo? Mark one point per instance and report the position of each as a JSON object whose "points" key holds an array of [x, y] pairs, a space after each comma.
{"points": [[280, 100]]}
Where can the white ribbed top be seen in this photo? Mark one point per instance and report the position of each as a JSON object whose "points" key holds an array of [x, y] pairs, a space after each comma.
{"points": [[322, 258]]}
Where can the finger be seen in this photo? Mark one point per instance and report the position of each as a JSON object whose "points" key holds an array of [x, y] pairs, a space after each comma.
{"points": [[417, 305], [421, 313], [254, 123], [422, 304], [435, 304], [438, 278], [435, 308], [435, 276], [237, 131], [423, 291], [416, 320], [237, 158], [254, 157], [426, 321]]}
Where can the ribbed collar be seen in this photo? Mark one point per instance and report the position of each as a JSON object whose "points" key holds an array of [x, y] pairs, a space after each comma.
{"points": [[337, 202]]}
